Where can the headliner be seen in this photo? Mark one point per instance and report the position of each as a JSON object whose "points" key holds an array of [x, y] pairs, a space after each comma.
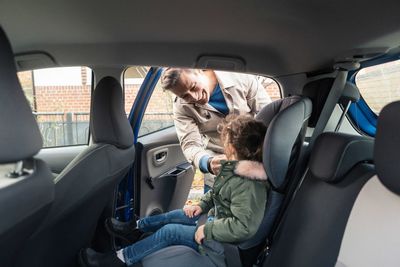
{"points": [[273, 37]]}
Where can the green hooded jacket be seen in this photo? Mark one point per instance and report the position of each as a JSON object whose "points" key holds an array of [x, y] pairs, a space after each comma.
{"points": [[237, 201]]}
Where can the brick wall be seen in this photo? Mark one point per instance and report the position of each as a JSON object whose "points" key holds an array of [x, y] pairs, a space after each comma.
{"points": [[63, 98]]}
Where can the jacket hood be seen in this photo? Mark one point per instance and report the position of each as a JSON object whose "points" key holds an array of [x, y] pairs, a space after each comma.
{"points": [[251, 170]]}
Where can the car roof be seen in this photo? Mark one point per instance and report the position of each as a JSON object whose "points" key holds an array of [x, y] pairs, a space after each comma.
{"points": [[271, 37]]}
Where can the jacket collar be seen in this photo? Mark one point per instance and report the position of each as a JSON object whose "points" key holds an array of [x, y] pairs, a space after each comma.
{"points": [[224, 79], [251, 170]]}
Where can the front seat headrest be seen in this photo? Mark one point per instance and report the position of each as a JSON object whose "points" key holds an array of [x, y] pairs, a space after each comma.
{"points": [[387, 147], [109, 123], [285, 119], [20, 137]]}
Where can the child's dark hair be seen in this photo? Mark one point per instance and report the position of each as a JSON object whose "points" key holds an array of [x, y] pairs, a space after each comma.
{"points": [[245, 134]]}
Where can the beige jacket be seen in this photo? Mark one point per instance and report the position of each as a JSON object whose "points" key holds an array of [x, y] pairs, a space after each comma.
{"points": [[196, 124]]}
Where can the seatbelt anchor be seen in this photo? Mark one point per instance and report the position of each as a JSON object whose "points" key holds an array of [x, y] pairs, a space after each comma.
{"points": [[346, 65]]}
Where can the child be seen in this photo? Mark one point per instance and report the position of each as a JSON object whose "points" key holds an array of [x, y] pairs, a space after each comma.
{"points": [[236, 203]]}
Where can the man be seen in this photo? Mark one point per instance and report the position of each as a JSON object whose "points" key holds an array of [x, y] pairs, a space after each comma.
{"points": [[204, 99]]}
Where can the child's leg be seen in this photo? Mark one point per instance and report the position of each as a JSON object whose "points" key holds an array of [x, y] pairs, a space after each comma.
{"points": [[153, 223], [171, 234]]}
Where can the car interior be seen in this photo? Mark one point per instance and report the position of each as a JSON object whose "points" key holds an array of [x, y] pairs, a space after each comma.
{"points": [[88, 133]]}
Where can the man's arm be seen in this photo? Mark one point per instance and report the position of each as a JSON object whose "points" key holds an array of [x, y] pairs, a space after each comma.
{"points": [[257, 96], [189, 136]]}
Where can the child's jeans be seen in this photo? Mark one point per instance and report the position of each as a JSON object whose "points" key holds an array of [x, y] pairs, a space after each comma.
{"points": [[171, 228]]}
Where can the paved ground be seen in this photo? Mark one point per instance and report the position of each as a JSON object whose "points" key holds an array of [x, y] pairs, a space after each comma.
{"points": [[197, 188]]}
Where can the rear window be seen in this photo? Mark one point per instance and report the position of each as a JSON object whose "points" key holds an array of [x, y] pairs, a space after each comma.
{"points": [[379, 84]]}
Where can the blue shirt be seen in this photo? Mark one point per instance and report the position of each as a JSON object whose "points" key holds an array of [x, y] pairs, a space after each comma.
{"points": [[217, 101]]}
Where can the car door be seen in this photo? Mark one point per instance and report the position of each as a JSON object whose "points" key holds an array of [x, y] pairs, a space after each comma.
{"points": [[161, 178]]}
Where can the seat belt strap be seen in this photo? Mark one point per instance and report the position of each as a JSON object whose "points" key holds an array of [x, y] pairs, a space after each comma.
{"points": [[333, 97]]}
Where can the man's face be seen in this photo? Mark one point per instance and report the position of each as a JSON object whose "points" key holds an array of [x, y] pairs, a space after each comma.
{"points": [[193, 87]]}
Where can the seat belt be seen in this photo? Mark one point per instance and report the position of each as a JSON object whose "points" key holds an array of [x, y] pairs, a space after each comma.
{"points": [[330, 103], [333, 97]]}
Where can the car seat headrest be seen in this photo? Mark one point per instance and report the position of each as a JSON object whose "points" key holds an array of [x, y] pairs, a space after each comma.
{"points": [[335, 154], [285, 119], [387, 147], [20, 137], [109, 123]]}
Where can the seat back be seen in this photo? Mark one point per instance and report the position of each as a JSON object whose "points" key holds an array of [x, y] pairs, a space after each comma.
{"points": [[311, 230], [371, 236], [26, 184], [87, 184], [286, 120]]}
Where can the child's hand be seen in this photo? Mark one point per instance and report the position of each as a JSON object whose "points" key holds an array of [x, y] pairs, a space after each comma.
{"points": [[199, 235], [192, 211]]}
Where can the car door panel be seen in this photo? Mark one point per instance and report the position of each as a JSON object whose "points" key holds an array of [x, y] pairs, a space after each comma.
{"points": [[165, 176]]}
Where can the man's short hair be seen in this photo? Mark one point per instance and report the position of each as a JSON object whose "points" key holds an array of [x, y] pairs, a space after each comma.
{"points": [[170, 77]]}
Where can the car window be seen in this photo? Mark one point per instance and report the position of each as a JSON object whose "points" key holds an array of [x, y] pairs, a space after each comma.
{"points": [[60, 101], [379, 84], [158, 114]]}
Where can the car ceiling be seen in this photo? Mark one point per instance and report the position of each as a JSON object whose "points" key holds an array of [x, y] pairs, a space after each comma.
{"points": [[272, 37]]}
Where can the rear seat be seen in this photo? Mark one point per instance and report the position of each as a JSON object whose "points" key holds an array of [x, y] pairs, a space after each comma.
{"points": [[343, 214]]}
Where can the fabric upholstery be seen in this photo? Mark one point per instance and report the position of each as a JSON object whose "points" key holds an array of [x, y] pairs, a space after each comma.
{"points": [[372, 232], [86, 186], [285, 119], [20, 137], [387, 147], [335, 154], [24, 202], [177, 256], [314, 223], [108, 122]]}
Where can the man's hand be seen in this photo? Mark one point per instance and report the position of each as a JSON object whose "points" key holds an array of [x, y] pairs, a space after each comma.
{"points": [[215, 163], [199, 235], [192, 211]]}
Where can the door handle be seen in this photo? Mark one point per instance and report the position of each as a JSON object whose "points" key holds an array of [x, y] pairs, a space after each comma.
{"points": [[160, 157]]}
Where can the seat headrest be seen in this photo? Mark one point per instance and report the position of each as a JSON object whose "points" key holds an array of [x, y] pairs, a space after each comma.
{"points": [[387, 147], [335, 154], [350, 93], [20, 137], [285, 119], [109, 123]]}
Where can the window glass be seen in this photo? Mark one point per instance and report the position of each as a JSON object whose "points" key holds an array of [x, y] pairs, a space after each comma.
{"points": [[60, 100], [379, 84], [158, 113]]}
